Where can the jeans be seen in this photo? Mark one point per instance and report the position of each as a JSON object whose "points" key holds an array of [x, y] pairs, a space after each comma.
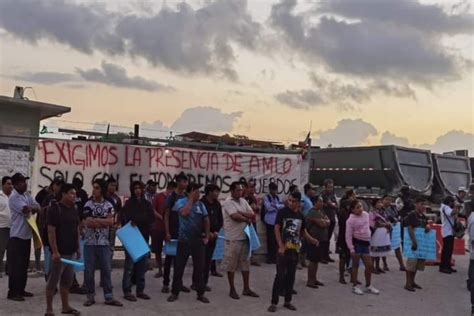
{"points": [[271, 243], [196, 249], [447, 253], [101, 256], [19, 260], [285, 276], [4, 236], [211, 246], [129, 268]]}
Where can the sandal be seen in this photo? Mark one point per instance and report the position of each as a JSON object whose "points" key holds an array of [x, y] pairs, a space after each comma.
{"points": [[71, 311], [130, 297], [143, 296], [250, 293], [113, 303]]}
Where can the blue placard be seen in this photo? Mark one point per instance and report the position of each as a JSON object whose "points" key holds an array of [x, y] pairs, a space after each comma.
{"points": [[396, 238], [219, 250], [47, 258], [426, 243], [133, 242], [253, 237], [171, 247]]}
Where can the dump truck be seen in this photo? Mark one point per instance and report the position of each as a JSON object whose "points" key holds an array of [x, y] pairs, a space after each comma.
{"points": [[450, 173], [374, 170]]}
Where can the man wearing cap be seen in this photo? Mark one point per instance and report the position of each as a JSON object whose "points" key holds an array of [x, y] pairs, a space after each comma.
{"points": [[193, 238], [5, 218], [237, 215], [172, 226], [22, 205]]}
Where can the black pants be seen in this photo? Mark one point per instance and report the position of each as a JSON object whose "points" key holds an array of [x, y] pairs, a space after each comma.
{"points": [[331, 227], [285, 276], [271, 243], [18, 261], [447, 253], [169, 261], [197, 250], [211, 246]]}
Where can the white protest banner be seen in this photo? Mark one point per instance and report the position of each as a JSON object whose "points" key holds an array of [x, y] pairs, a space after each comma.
{"points": [[90, 160]]}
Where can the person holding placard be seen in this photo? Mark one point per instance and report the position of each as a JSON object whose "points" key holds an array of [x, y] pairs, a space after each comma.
{"points": [[139, 211], [63, 235], [98, 218], [449, 213], [22, 206], [413, 220], [237, 215], [289, 232], [172, 227], [158, 229], [193, 237]]}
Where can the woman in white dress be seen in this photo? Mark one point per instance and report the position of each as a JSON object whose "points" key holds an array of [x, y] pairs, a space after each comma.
{"points": [[380, 240]]}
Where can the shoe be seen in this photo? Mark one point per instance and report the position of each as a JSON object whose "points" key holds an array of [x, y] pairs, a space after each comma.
{"points": [[130, 297], [185, 289], [294, 292], [329, 259], [143, 296], [203, 299], [172, 298], [113, 302], [446, 271], [357, 290], [453, 270], [216, 274], [255, 264], [234, 295], [311, 285], [165, 289], [342, 281], [382, 271], [16, 298], [409, 288], [158, 275], [386, 268], [289, 306], [403, 268], [272, 308], [318, 283], [376, 271], [207, 289], [372, 290], [324, 262], [27, 294], [193, 288]]}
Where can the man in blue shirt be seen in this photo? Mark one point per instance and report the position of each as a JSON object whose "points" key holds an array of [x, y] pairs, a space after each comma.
{"points": [[193, 237], [272, 204], [22, 206]]}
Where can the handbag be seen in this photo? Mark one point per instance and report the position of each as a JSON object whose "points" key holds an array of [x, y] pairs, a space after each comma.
{"points": [[458, 227]]}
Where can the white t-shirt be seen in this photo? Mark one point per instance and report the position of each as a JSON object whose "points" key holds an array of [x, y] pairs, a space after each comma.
{"points": [[5, 214], [470, 231], [234, 230], [446, 228]]}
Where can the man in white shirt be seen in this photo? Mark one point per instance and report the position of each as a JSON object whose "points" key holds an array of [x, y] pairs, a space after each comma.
{"points": [[237, 215], [5, 218], [448, 218]]}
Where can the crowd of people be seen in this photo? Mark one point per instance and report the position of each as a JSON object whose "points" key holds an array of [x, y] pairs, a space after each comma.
{"points": [[299, 230]]}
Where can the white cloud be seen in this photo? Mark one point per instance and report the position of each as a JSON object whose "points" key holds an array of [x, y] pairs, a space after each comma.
{"points": [[348, 132], [392, 139]]}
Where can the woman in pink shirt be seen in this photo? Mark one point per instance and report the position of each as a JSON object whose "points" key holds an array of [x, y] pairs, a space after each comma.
{"points": [[358, 242]]}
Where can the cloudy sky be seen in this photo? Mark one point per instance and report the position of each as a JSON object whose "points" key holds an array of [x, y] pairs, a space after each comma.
{"points": [[364, 72]]}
